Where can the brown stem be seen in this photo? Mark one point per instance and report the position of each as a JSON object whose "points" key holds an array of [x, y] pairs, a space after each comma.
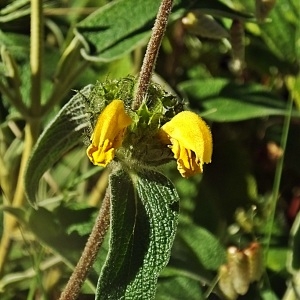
{"points": [[90, 251], [152, 52]]}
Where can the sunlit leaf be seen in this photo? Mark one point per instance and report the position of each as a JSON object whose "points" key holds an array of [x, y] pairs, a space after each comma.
{"points": [[63, 133], [108, 35], [144, 211]]}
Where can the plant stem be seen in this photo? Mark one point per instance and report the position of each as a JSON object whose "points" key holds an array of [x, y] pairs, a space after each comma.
{"points": [[90, 251], [278, 172], [36, 55], [152, 52], [32, 126], [10, 223]]}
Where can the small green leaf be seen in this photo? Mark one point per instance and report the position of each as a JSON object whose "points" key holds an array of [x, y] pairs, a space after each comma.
{"points": [[144, 212], [224, 101], [63, 133]]}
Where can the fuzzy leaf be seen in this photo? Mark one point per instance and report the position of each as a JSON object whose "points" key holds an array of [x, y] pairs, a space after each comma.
{"points": [[107, 35], [144, 212], [63, 133]]}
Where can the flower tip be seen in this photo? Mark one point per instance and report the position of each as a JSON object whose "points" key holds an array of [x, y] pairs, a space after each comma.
{"points": [[191, 142]]}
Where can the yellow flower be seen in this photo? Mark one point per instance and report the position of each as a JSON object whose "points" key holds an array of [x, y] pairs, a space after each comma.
{"points": [[191, 142], [108, 133]]}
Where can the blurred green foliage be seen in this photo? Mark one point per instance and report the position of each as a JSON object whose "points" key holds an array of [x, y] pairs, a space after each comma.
{"points": [[244, 195]]}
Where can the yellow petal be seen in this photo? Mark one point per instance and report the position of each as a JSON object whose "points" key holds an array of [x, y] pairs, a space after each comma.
{"points": [[108, 133], [191, 142]]}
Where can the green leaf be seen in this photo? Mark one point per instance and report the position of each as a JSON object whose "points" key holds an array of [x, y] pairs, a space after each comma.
{"points": [[281, 35], [268, 295], [62, 134], [144, 212], [15, 44], [224, 101], [219, 9], [206, 247], [19, 213], [107, 35], [52, 233], [178, 288], [196, 254], [276, 258]]}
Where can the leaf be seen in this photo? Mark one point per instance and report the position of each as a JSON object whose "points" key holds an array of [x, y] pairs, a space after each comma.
{"points": [[19, 213], [206, 247], [224, 101], [53, 234], [65, 230], [144, 212], [178, 287], [195, 254], [107, 35], [281, 34], [219, 9], [276, 259], [62, 134]]}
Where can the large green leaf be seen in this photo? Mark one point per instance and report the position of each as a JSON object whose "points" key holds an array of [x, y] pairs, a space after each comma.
{"points": [[65, 230], [144, 212], [224, 101], [54, 230], [62, 134], [282, 34], [107, 34]]}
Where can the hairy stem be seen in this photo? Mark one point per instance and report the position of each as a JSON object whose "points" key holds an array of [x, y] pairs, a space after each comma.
{"points": [[90, 251], [152, 52]]}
